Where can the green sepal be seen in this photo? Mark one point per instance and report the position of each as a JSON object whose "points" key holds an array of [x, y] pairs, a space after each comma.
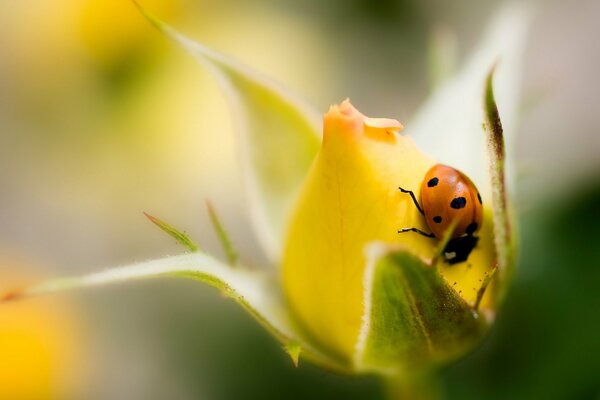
{"points": [[181, 237], [448, 124], [413, 318], [256, 291], [504, 228], [230, 251]]}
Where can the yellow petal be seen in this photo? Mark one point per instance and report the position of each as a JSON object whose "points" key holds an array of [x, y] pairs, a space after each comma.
{"points": [[351, 198]]}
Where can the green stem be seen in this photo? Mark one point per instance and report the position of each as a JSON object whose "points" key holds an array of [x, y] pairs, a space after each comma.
{"points": [[423, 386]]}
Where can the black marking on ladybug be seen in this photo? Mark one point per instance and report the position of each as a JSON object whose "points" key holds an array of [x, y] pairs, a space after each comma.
{"points": [[458, 202], [457, 250], [433, 182], [479, 198], [472, 228], [437, 219]]}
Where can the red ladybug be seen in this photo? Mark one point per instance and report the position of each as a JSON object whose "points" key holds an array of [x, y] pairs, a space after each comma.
{"points": [[449, 195]]}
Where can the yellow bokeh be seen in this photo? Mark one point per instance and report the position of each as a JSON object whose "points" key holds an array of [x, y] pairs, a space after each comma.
{"points": [[40, 348], [112, 28]]}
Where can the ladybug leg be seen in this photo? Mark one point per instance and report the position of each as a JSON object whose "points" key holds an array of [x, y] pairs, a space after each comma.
{"points": [[414, 199], [420, 232]]}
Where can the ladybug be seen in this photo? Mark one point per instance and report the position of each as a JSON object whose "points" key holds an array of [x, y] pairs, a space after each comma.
{"points": [[448, 196]]}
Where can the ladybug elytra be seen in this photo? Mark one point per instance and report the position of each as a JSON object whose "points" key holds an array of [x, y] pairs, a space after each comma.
{"points": [[449, 196]]}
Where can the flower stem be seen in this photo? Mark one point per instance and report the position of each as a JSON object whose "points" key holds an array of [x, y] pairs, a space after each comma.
{"points": [[421, 386]]}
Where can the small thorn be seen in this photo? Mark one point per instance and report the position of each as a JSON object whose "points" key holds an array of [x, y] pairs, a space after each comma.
{"points": [[293, 350]]}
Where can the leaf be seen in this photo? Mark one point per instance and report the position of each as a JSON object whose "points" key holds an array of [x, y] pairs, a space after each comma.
{"points": [[413, 318], [279, 135], [181, 237], [257, 292], [449, 124]]}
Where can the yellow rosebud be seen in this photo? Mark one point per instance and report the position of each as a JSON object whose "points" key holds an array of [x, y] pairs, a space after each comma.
{"points": [[351, 198]]}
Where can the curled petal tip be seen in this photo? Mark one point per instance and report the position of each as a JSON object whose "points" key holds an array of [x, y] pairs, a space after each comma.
{"points": [[346, 121], [384, 123]]}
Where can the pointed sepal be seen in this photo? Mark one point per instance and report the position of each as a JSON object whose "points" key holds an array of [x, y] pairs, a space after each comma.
{"points": [[413, 318], [257, 292], [279, 135], [230, 251], [181, 237], [503, 226]]}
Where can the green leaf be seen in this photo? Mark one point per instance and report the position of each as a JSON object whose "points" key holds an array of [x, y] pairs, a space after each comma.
{"points": [[413, 318], [181, 237], [448, 126], [257, 292], [279, 135]]}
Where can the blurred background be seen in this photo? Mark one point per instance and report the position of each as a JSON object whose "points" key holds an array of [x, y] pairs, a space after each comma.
{"points": [[102, 118]]}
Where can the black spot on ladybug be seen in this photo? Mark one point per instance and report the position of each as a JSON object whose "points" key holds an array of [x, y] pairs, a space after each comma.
{"points": [[472, 228], [437, 219], [458, 202], [479, 198], [459, 249], [433, 182]]}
